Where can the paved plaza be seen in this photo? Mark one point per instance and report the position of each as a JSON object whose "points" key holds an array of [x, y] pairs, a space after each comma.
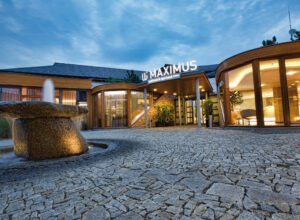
{"points": [[174, 173]]}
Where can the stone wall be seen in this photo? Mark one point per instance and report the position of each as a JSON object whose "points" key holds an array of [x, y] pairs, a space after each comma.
{"points": [[163, 100]]}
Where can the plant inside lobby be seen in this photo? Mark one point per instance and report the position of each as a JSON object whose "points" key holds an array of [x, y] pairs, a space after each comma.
{"points": [[208, 111], [164, 115]]}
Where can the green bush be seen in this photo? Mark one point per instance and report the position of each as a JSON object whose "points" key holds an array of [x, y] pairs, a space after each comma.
{"points": [[5, 130], [164, 114], [207, 108]]}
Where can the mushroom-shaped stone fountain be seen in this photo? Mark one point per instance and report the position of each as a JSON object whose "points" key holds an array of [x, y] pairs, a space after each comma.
{"points": [[44, 130]]}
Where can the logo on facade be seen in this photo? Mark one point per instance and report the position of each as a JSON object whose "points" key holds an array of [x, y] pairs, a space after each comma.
{"points": [[169, 72]]}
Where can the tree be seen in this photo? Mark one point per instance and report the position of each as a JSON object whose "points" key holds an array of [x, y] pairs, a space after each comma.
{"points": [[131, 77], [269, 42], [236, 98]]}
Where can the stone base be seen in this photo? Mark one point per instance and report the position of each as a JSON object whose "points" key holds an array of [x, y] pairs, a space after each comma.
{"points": [[45, 138]]}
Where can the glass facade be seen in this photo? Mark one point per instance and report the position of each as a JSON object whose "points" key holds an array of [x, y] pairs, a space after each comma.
{"points": [[293, 78], [271, 92], [68, 97], [239, 96], [115, 108], [137, 104], [9, 94], [275, 89], [31, 94], [63, 96]]}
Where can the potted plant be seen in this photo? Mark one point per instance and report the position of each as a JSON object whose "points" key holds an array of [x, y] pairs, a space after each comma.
{"points": [[208, 110], [164, 115]]}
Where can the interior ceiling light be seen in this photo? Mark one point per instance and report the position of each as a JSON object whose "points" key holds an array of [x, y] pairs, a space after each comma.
{"points": [[165, 92], [155, 89]]}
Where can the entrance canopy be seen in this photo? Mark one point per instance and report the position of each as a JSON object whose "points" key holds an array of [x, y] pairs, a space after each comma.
{"points": [[185, 85]]}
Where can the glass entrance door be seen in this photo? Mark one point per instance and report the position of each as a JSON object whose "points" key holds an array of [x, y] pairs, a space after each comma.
{"points": [[191, 111]]}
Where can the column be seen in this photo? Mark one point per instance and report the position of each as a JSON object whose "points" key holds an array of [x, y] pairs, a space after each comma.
{"points": [[198, 103], [179, 109], [145, 105]]}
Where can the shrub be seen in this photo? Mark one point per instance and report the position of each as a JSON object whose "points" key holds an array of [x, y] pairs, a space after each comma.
{"points": [[5, 129], [164, 114]]}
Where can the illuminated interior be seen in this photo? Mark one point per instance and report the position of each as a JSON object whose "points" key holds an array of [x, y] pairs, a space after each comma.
{"points": [[115, 108], [240, 96], [293, 79], [271, 92]]}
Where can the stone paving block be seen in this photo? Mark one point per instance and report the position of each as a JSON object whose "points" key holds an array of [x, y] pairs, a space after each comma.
{"points": [[226, 191]]}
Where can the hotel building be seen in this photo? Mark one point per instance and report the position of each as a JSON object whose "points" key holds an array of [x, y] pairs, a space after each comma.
{"points": [[259, 87]]}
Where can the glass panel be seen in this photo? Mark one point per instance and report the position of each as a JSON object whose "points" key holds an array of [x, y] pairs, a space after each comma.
{"points": [[57, 96], [293, 79], [137, 104], [271, 92], [97, 110], [31, 94], [69, 97], [116, 109], [240, 96], [9, 94]]}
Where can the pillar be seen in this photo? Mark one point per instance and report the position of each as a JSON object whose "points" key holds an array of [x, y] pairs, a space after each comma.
{"points": [[198, 102], [145, 105]]}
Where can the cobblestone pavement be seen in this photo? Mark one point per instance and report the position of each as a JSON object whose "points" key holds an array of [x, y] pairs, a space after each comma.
{"points": [[174, 173]]}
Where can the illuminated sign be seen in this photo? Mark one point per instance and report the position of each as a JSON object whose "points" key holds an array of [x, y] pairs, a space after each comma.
{"points": [[168, 72]]}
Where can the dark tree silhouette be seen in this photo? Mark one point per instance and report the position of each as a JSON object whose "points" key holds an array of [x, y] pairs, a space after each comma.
{"points": [[131, 77], [269, 42]]}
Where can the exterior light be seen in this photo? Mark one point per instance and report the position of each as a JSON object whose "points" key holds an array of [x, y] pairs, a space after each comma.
{"points": [[174, 93], [165, 92], [155, 89]]}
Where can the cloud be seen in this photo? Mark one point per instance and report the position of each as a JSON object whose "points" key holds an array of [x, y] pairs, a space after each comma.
{"points": [[11, 24]]}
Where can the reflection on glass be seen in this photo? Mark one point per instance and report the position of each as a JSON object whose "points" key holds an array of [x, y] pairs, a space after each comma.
{"points": [[293, 79], [271, 92], [240, 95], [116, 109], [69, 97], [9, 94], [137, 104]]}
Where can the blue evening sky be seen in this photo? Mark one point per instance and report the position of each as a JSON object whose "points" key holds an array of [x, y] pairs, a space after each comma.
{"points": [[137, 34]]}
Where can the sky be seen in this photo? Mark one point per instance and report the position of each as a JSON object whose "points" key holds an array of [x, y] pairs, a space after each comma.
{"points": [[138, 34]]}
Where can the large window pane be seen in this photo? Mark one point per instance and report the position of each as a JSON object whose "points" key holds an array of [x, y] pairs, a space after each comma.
{"points": [[271, 92], [293, 79], [69, 97], [31, 94], [137, 104], [240, 95], [9, 94], [116, 109]]}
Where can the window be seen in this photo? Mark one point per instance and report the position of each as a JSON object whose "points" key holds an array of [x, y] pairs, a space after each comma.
{"points": [[293, 83], [31, 94], [271, 92], [137, 104], [9, 94], [239, 96], [69, 97], [115, 109]]}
